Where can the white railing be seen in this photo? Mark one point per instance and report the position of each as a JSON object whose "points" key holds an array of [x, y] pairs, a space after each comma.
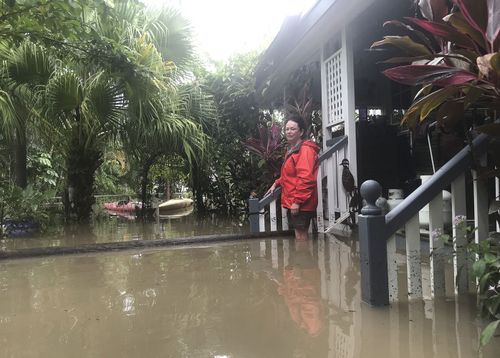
{"points": [[378, 232]]}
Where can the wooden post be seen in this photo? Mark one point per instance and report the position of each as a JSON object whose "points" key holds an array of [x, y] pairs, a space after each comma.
{"points": [[253, 208], [373, 248]]}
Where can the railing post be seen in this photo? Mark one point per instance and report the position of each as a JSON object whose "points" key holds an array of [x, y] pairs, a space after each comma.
{"points": [[373, 248], [253, 208]]}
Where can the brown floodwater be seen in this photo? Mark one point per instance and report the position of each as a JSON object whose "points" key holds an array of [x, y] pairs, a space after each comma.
{"points": [[252, 298], [125, 228]]}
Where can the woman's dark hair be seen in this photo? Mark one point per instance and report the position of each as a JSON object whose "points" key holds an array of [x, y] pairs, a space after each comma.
{"points": [[297, 119]]}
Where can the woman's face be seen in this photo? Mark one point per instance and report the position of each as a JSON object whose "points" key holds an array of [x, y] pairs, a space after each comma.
{"points": [[293, 133]]}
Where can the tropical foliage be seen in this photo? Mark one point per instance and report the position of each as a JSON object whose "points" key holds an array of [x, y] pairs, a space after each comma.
{"points": [[230, 173], [300, 100], [268, 147], [453, 54], [487, 271], [28, 206], [90, 73]]}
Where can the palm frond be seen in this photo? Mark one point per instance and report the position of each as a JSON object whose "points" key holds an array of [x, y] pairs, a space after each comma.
{"points": [[196, 103], [172, 34], [9, 121], [104, 101], [29, 64], [64, 91]]}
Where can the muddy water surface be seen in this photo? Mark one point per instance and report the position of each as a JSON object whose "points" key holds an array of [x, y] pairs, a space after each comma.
{"points": [[119, 229], [269, 298]]}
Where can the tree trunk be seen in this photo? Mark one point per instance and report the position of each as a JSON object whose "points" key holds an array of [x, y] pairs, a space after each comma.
{"points": [[144, 183], [168, 192], [81, 165], [20, 157], [144, 188], [196, 174]]}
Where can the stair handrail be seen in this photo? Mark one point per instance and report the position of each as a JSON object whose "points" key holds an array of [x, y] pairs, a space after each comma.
{"points": [[412, 204], [375, 228]]}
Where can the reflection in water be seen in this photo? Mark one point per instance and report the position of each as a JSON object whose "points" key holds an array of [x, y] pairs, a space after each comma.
{"points": [[221, 301], [301, 289]]}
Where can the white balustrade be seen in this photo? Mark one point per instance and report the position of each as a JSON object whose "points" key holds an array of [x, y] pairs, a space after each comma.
{"points": [[331, 168], [319, 210], [272, 216], [392, 269], [438, 252], [458, 209], [436, 246], [413, 258], [262, 220], [284, 219]]}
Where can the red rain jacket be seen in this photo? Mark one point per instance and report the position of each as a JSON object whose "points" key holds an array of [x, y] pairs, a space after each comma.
{"points": [[298, 177]]}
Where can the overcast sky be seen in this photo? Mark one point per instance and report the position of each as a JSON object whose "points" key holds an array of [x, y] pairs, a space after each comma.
{"points": [[226, 27]]}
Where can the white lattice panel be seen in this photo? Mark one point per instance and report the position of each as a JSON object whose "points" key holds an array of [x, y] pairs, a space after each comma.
{"points": [[334, 88]]}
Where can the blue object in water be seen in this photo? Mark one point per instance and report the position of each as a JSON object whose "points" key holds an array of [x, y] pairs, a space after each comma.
{"points": [[19, 228]]}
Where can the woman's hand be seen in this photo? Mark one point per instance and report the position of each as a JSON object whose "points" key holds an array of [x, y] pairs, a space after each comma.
{"points": [[271, 189], [294, 209]]}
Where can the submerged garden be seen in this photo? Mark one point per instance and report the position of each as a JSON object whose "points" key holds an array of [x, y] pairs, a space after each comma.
{"points": [[107, 107], [110, 100]]}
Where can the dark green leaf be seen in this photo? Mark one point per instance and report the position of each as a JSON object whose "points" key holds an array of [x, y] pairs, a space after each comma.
{"points": [[488, 332], [478, 268]]}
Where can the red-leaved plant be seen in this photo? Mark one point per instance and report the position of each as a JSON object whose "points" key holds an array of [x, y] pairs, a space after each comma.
{"points": [[453, 54], [268, 147]]}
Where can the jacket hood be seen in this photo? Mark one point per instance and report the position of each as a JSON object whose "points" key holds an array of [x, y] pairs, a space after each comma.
{"points": [[296, 149], [311, 144]]}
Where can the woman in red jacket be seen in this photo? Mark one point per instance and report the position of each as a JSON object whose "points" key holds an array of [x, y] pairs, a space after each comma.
{"points": [[298, 177]]}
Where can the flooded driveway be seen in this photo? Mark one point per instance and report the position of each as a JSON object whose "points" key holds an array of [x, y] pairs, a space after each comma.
{"points": [[257, 298]]}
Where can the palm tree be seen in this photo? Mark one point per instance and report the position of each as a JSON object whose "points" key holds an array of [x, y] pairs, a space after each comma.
{"points": [[158, 128], [24, 69], [172, 118], [138, 98], [84, 113], [82, 101]]}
